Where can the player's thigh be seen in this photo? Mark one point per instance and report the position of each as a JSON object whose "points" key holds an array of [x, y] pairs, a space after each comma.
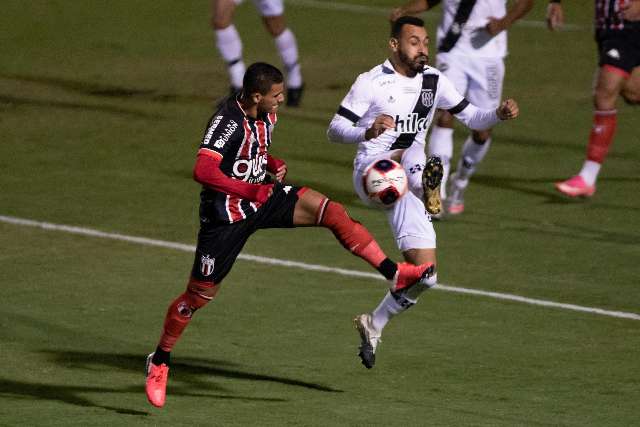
{"points": [[222, 13], [485, 82], [270, 7], [420, 256], [217, 249], [454, 68], [411, 224]]}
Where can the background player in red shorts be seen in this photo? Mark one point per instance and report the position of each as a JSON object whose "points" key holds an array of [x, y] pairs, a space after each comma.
{"points": [[232, 164], [617, 24]]}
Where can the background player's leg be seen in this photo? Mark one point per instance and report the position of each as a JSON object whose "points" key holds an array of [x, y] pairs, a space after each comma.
{"points": [[608, 85], [228, 40]]}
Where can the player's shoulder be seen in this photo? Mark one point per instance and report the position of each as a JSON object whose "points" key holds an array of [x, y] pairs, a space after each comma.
{"points": [[379, 76]]}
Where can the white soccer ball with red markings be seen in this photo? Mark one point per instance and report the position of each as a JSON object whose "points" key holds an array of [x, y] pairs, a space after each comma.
{"points": [[384, 182]]}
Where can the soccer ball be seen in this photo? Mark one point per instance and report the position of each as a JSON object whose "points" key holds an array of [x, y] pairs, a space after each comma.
{"points": [[384, 182]]}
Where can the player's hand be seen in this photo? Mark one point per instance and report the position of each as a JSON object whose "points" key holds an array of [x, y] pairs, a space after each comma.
{"points": [[555, 16], [631, 10], [264, 192], [281, 172], [395, 14], [495, 26], [508, 110], [380, 124]]}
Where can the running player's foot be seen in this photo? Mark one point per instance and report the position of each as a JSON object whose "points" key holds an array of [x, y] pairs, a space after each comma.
{"points": [[370, 337], [576, 187], [409, 274], [455, 199], [431, 179], [294, 96], [156, 386]]}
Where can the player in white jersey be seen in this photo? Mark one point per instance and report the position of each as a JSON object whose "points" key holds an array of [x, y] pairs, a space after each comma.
{"points": [[472, 44], [387, 113], [229, 43]]}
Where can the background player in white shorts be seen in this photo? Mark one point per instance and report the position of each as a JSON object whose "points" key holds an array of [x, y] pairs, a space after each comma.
{"points": [[387, 113], [229, 43], [472, 44]]}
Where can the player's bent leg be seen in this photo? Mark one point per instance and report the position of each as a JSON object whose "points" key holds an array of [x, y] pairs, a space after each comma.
{"points": [[178, 316], [314, 209], [287, 47]]}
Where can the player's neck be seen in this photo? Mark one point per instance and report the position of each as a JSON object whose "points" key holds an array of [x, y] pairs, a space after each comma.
{"points": [[402, 68], [248, 108]]}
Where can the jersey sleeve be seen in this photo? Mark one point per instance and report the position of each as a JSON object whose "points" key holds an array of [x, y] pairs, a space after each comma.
{"points": [[450, 99], [357, 101], [220, 131]]}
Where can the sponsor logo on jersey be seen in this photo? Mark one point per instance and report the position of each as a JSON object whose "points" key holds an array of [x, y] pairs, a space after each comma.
{"points": [[229, 129], [250, 170], [411, 123], [427, 97], [214, 125], [206, 265]]}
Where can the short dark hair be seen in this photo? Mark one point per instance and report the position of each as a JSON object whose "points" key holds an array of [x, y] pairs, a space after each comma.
{"points": [[259, 77], [396, 26]]}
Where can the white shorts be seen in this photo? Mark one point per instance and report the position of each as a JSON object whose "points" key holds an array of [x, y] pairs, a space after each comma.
{"points": [[478, 79], [267, 7], [410, 223]]}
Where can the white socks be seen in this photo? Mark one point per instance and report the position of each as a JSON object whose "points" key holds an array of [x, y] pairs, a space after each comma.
{"points": [[230, 47], [590, 171], [472, 154], [441, 145], [387, 308], [288, 49]]}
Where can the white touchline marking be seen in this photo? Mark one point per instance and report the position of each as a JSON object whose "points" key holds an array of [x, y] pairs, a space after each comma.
{"points": [[385, 11], [304, 266]]}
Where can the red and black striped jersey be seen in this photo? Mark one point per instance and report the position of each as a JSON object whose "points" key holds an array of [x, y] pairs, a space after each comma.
{"points": [[241, 144], [608, 16]]}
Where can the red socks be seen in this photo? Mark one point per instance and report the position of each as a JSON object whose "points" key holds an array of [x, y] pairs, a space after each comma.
{"points": [[351, 234], [180, 312], [601, 137]]}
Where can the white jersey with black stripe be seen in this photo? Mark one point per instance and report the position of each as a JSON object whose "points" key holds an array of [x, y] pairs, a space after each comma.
{"points": [[411, 101], [473, 40]]}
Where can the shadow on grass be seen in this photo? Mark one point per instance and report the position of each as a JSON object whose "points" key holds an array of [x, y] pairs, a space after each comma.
{"points": [[190, 374]]}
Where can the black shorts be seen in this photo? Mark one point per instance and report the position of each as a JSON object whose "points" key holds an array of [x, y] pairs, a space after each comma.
{"points": [[220, 244], [619, 49]]}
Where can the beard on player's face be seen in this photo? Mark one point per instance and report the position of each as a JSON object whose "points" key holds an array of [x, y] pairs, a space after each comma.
{"points": [[415, 63]]}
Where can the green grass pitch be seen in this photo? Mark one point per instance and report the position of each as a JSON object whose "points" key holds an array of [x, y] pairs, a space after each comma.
{"points": [[102, 106]]}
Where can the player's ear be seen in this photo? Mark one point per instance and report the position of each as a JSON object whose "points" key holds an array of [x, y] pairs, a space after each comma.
{"points": [[256, 97], [394, 43]]}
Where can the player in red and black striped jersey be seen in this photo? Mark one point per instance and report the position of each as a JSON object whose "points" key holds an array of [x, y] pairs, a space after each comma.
{"points": [[231, 165], [617, 25]]}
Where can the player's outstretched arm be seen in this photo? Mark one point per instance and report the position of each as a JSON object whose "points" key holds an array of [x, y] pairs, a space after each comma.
{"points": [[413, 7], [517, 11], [555, 15]]}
